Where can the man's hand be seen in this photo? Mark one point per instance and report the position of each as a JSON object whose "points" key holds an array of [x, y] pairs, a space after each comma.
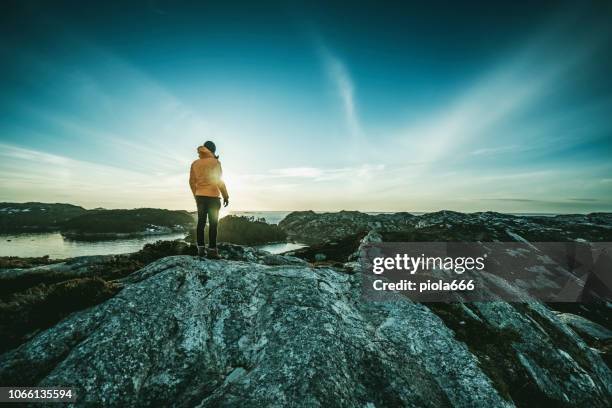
{"points": [[226, 201]]}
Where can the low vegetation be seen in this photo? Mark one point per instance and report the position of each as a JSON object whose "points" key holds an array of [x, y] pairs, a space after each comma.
{"points": [[249, 231], [16, 262], [245, 231]]}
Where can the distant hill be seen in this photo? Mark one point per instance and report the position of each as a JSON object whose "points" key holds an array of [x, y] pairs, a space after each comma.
{"points": [[77, 222], [36, 217], [141, 220]]}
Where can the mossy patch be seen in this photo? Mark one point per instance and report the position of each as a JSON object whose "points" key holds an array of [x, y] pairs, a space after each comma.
{"points": [[16, 262], [44, 305]]}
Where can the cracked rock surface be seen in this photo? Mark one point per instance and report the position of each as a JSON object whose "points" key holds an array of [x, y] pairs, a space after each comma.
{"points": [[190, 332]]}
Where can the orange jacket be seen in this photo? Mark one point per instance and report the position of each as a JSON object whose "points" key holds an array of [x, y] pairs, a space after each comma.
{"points": [[205, 177]]}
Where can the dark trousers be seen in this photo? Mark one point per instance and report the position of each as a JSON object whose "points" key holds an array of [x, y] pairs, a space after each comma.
{"points": [[208, 207]]}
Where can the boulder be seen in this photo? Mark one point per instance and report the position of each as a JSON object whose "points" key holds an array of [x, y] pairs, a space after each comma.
{"points": [[315, 228]]}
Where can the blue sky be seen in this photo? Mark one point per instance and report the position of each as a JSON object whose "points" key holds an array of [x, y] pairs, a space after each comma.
{"points": [[329, 106]]}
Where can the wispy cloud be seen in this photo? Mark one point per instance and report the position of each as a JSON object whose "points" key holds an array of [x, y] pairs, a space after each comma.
{"points": [[309, 174], [299, 172], [584, 200], [494, 150], [513, 200], [340, 76]]}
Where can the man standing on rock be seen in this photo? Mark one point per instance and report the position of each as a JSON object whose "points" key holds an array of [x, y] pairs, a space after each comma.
{"points": [[206, 184]]}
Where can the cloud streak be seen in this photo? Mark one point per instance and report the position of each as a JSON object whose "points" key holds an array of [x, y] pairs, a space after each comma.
{"points": [[345, 88], [351, 173]]}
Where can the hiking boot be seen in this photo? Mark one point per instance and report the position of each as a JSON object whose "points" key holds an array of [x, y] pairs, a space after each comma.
{"points": [[201, 252], [213, 253]]}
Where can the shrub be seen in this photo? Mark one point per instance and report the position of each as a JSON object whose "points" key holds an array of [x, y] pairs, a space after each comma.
{"points": [[244, 230]]}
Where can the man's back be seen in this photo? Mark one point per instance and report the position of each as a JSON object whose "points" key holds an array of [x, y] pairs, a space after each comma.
{"points": [[205, 177]]}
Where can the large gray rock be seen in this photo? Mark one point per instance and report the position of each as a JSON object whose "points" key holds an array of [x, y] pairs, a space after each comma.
{"points": [[313, 228], [190, 332]]}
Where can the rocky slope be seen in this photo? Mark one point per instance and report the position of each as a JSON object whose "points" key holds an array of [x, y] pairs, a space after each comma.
{"points": [[256, 329]]}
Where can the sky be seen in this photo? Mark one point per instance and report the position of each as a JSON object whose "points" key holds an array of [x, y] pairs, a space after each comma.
{"points": [[467, 106]]}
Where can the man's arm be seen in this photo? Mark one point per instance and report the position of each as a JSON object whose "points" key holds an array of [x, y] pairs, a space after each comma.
{"points": [[222, 187], [223, 190], [192, 182]]}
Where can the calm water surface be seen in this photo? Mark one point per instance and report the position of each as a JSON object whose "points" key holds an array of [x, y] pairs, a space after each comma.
{"points": [[54, 245], [281, 247]]}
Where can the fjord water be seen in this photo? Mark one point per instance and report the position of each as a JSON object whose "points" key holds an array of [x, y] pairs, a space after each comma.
{"points": [[54, 245]]}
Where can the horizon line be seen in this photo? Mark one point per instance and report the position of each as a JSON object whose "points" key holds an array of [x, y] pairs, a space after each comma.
{"points": [[329, 210]]}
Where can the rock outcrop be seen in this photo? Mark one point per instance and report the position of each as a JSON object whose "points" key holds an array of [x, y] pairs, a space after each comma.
{"points": [[311, 227], [32, 299], [191, 332]]}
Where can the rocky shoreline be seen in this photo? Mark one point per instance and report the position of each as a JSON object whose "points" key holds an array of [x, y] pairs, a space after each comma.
{"points": [[164, 327]]}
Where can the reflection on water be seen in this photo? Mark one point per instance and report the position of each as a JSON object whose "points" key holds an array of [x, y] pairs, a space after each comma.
{"points": [[54, 245], [280, 247]]}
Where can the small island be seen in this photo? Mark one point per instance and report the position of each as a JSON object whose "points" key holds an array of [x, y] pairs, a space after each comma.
{"points": [[113, 224]]}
